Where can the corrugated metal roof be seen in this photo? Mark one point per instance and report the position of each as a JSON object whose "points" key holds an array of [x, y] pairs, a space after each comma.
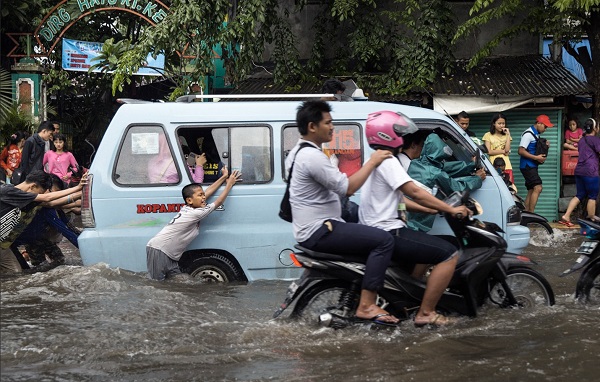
{"points": [[509, 76], [503, 76]]}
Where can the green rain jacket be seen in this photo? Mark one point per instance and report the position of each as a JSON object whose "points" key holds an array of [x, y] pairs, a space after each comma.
{"points": [[433, 170]]}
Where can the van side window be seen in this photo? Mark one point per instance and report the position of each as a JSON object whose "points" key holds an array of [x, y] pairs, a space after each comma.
{"points": [[251, 153], [244, 148], [345, 149], [451, 138], [146, 157]]}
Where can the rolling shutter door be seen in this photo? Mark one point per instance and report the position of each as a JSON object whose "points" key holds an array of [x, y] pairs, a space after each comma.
{"points": [[517, 121]]}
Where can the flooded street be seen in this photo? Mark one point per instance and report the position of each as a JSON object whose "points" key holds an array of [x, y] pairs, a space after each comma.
{"points": [[95, 323]]}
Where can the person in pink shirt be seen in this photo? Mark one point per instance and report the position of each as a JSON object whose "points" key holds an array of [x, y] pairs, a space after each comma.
{"points": [[572, 135], [161, 168], [59, 161]]}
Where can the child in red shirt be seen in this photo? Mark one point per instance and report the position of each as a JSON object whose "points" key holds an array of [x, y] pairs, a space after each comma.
{"points": [[572, 136]]}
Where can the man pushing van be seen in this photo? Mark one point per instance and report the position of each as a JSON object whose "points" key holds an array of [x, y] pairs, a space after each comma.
{"points": [[164, 250]]}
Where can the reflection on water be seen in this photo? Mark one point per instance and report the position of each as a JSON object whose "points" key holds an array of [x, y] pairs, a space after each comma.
{"points": [[97, 324]]}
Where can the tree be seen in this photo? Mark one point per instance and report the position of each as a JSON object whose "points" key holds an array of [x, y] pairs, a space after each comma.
{"points": [[402, 46], [567, 20]]}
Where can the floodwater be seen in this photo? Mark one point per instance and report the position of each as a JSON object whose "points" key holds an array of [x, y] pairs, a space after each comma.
{"points": [[95, 323]]}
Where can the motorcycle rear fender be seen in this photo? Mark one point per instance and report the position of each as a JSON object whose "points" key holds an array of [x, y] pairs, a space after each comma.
{"points": [[531, 217], [512, 260]]}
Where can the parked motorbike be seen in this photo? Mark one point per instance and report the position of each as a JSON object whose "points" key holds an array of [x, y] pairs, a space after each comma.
{"points": [[530, 219], [588, 285], [329, 288]]}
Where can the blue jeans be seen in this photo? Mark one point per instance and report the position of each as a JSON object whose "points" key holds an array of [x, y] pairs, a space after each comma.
{"points": [[375, 244]]}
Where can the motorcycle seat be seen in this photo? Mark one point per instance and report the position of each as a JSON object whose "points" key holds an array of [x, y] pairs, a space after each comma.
{"points": [[590, 223]]}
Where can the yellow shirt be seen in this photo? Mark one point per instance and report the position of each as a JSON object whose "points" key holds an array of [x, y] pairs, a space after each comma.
{"points": [[498, 142]]}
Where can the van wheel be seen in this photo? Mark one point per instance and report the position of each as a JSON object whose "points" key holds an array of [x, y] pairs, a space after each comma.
{"points": [[214, 268]]}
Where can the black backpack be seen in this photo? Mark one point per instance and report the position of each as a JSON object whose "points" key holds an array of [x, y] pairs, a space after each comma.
{"points": [[541, 144], [285, 208]]}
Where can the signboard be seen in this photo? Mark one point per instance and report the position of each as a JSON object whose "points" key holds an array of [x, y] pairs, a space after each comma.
{"points": [[78, 55], [67, 12]]}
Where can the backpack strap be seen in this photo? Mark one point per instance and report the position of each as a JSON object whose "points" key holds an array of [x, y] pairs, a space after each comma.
{"points": [[530, 132], [302, 145]]}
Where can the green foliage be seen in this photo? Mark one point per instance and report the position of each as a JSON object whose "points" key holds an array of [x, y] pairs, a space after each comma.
{"points": [[530, 17], [6, 91], [585, 5], [402, 47]]}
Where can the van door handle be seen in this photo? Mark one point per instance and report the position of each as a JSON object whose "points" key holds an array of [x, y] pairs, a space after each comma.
{"points": [[220, 208]]}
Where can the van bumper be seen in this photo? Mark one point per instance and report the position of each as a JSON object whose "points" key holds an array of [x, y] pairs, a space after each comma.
{"points": [[517, 238], [90, 247]]}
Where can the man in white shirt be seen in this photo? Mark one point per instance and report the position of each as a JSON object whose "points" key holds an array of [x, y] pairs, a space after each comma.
{"points": [[380, 196], [315, 189], [412, 147]]}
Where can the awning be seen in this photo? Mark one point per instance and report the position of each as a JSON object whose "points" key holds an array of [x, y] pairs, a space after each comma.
{"points": [[454, 104]]}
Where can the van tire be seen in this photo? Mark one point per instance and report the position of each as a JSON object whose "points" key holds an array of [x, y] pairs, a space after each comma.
{"points": [[214, 267]]}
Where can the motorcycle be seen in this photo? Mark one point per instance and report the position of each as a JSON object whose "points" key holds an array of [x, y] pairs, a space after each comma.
{"points": [[529, 219], [588, 285], [329, 288]]}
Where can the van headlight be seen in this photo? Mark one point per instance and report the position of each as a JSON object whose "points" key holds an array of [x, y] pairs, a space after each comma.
{"points": [[513, 216]]}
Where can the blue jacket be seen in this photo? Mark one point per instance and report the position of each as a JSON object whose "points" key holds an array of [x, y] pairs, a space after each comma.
{"points": [[45, 219]]}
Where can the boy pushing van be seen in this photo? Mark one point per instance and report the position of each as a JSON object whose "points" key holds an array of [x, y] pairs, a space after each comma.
{"points": [[164, 250]]}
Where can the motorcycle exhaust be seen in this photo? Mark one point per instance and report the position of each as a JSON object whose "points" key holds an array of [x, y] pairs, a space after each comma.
{"points": [[333, 321]]}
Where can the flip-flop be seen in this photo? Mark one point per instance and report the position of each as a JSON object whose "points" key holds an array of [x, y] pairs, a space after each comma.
{"points": [[566, 223], [375, 319], [436, 322]]}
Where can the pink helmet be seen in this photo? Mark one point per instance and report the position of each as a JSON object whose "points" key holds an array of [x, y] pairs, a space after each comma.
{"points": [[386, 128]]}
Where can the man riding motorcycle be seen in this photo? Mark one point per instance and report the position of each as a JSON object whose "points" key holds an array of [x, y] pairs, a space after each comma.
{"points": [[384, 191]]}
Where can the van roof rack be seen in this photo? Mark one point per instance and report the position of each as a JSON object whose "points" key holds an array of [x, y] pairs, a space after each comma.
{"points": [[192, 97], [132, 100]]}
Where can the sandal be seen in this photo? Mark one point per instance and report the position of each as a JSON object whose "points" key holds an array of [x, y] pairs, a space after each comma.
{"points": [[436, 321], [594, 219], [566, 223]]}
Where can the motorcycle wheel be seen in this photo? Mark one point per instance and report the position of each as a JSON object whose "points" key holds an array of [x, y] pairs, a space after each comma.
{"points": [[336, 297], [588, 286], [529, 287]]}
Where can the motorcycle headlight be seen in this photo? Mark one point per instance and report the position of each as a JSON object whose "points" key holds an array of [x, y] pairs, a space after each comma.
{"points": [[513, 216]]}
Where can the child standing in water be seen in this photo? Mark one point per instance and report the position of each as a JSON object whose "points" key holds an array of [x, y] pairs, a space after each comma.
{"points": [[497, 142], [572, 135], [59, 161], [165, 249]]}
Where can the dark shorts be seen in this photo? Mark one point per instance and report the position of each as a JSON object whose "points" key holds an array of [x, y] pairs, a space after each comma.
{"points": [[587, 186], [532, 178], [39, 249], [414, 247], [160, 266]]}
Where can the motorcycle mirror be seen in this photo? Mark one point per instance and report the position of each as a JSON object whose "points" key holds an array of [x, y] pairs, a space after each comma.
{"points": [[478, 159], [478, 210], [465, 196]]}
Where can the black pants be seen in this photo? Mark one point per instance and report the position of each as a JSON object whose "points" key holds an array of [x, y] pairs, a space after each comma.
{"points": [[350, 238]]}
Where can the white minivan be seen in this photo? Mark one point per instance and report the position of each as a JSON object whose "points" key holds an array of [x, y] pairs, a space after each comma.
{"points": [[124, 205]]}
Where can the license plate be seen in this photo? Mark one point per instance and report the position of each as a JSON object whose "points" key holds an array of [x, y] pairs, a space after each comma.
{"points": [[587, 247]]}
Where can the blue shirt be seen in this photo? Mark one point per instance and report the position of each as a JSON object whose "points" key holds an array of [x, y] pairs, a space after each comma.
{"points": [[528, 141]]}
